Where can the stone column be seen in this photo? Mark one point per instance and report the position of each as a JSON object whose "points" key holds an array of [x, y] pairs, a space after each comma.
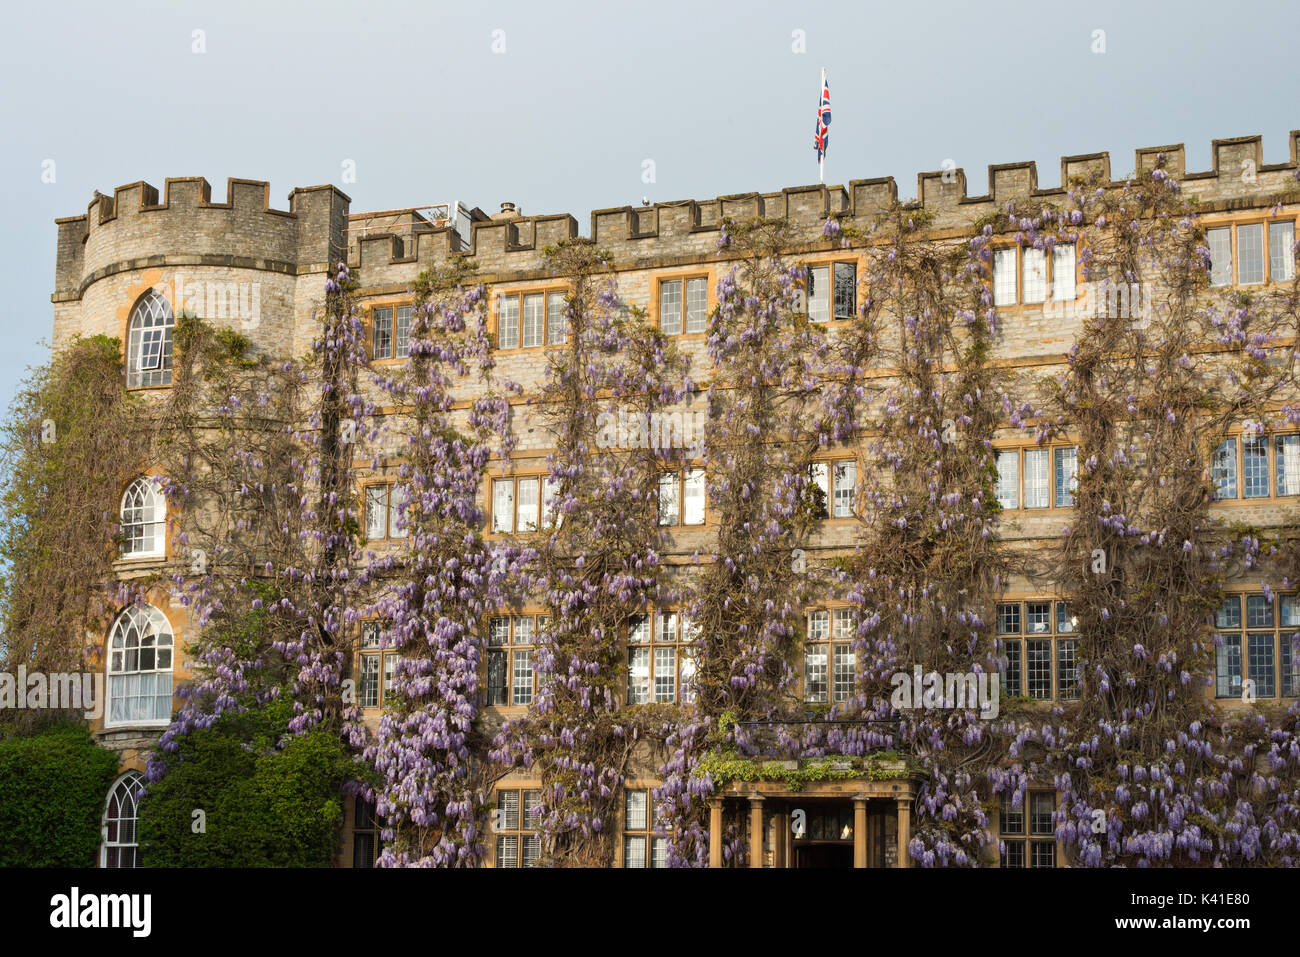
{"points": [[756, 830], [904, 828], [715, 832], [860, 831]]}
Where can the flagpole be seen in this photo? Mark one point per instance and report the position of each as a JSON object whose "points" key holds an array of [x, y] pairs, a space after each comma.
{"points": [[821, 155]]}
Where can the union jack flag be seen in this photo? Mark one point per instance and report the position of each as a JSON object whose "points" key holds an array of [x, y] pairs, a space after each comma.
{"points": [[822, 138]]}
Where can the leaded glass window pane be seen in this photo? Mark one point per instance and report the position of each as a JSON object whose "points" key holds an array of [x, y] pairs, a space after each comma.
{"points": [[819, 293], [1008, 484], [508, 323], [1281, 252], [1004, 277], [1037, 478], [382, 339], [697, 304], [1259, 647], [1254, 458], [846, 287], [1224, 470], [1034, 279], [1063, 273], [670, 307], [1067, 476], [1219, 242], [1250, 254]]}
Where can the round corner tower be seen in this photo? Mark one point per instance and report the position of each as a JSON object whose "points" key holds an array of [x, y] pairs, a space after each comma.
{"points": [[238, 264]]}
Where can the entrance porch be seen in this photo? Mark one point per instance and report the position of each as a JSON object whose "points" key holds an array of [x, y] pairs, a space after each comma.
{"points": [[848, 823]]}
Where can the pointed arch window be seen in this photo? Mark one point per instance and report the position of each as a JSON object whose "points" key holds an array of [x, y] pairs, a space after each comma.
{"points": [[121, 848], [144, 519], [140, 668], [149, 342]]}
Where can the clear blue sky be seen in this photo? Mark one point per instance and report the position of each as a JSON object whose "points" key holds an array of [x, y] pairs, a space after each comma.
{"points": [[584, 92]]}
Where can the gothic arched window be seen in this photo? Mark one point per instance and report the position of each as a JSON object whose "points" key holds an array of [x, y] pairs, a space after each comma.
{"points": [[140, 667], [149, 342], [144, 519], [121, 848]]}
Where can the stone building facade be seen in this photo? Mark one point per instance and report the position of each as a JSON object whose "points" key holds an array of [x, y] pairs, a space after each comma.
{"points": [[263, 271]]}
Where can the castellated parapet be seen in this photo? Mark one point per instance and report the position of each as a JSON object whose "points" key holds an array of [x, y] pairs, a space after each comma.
{"points": [[238, 260], [666, 234], [129, 241]]}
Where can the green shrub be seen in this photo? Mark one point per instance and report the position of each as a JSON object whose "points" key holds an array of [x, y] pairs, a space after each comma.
{"points": [[263, 805], [53, 787]]}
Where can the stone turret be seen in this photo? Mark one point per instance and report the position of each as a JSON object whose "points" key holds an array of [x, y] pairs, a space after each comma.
{"points": [[238, 262]]}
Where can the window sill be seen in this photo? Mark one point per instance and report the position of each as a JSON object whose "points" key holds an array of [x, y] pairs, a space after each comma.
{"points": [[1038, 702], [1252, 285], [526, 350], [151, 559], [652, 704], [130, 725], [1262, 500]]}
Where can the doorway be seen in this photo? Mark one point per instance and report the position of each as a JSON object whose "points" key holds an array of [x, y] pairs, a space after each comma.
{"points": [[823, 855], [826, 839], [819, 832]]}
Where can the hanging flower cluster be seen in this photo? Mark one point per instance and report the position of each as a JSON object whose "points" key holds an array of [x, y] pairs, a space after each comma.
{"points": [[433, 594], [601, 560], [1152, 772], [270, 526], [765, 425], [926, 562]]}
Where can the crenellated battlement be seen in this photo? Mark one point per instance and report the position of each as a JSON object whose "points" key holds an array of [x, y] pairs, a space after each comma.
{"points": [[132, 229], [180, 192], [1238, 169], [237, 262], [686, 229]]}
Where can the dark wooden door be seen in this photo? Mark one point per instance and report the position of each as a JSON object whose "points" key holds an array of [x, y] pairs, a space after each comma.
{"points": [[824, 855]]}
